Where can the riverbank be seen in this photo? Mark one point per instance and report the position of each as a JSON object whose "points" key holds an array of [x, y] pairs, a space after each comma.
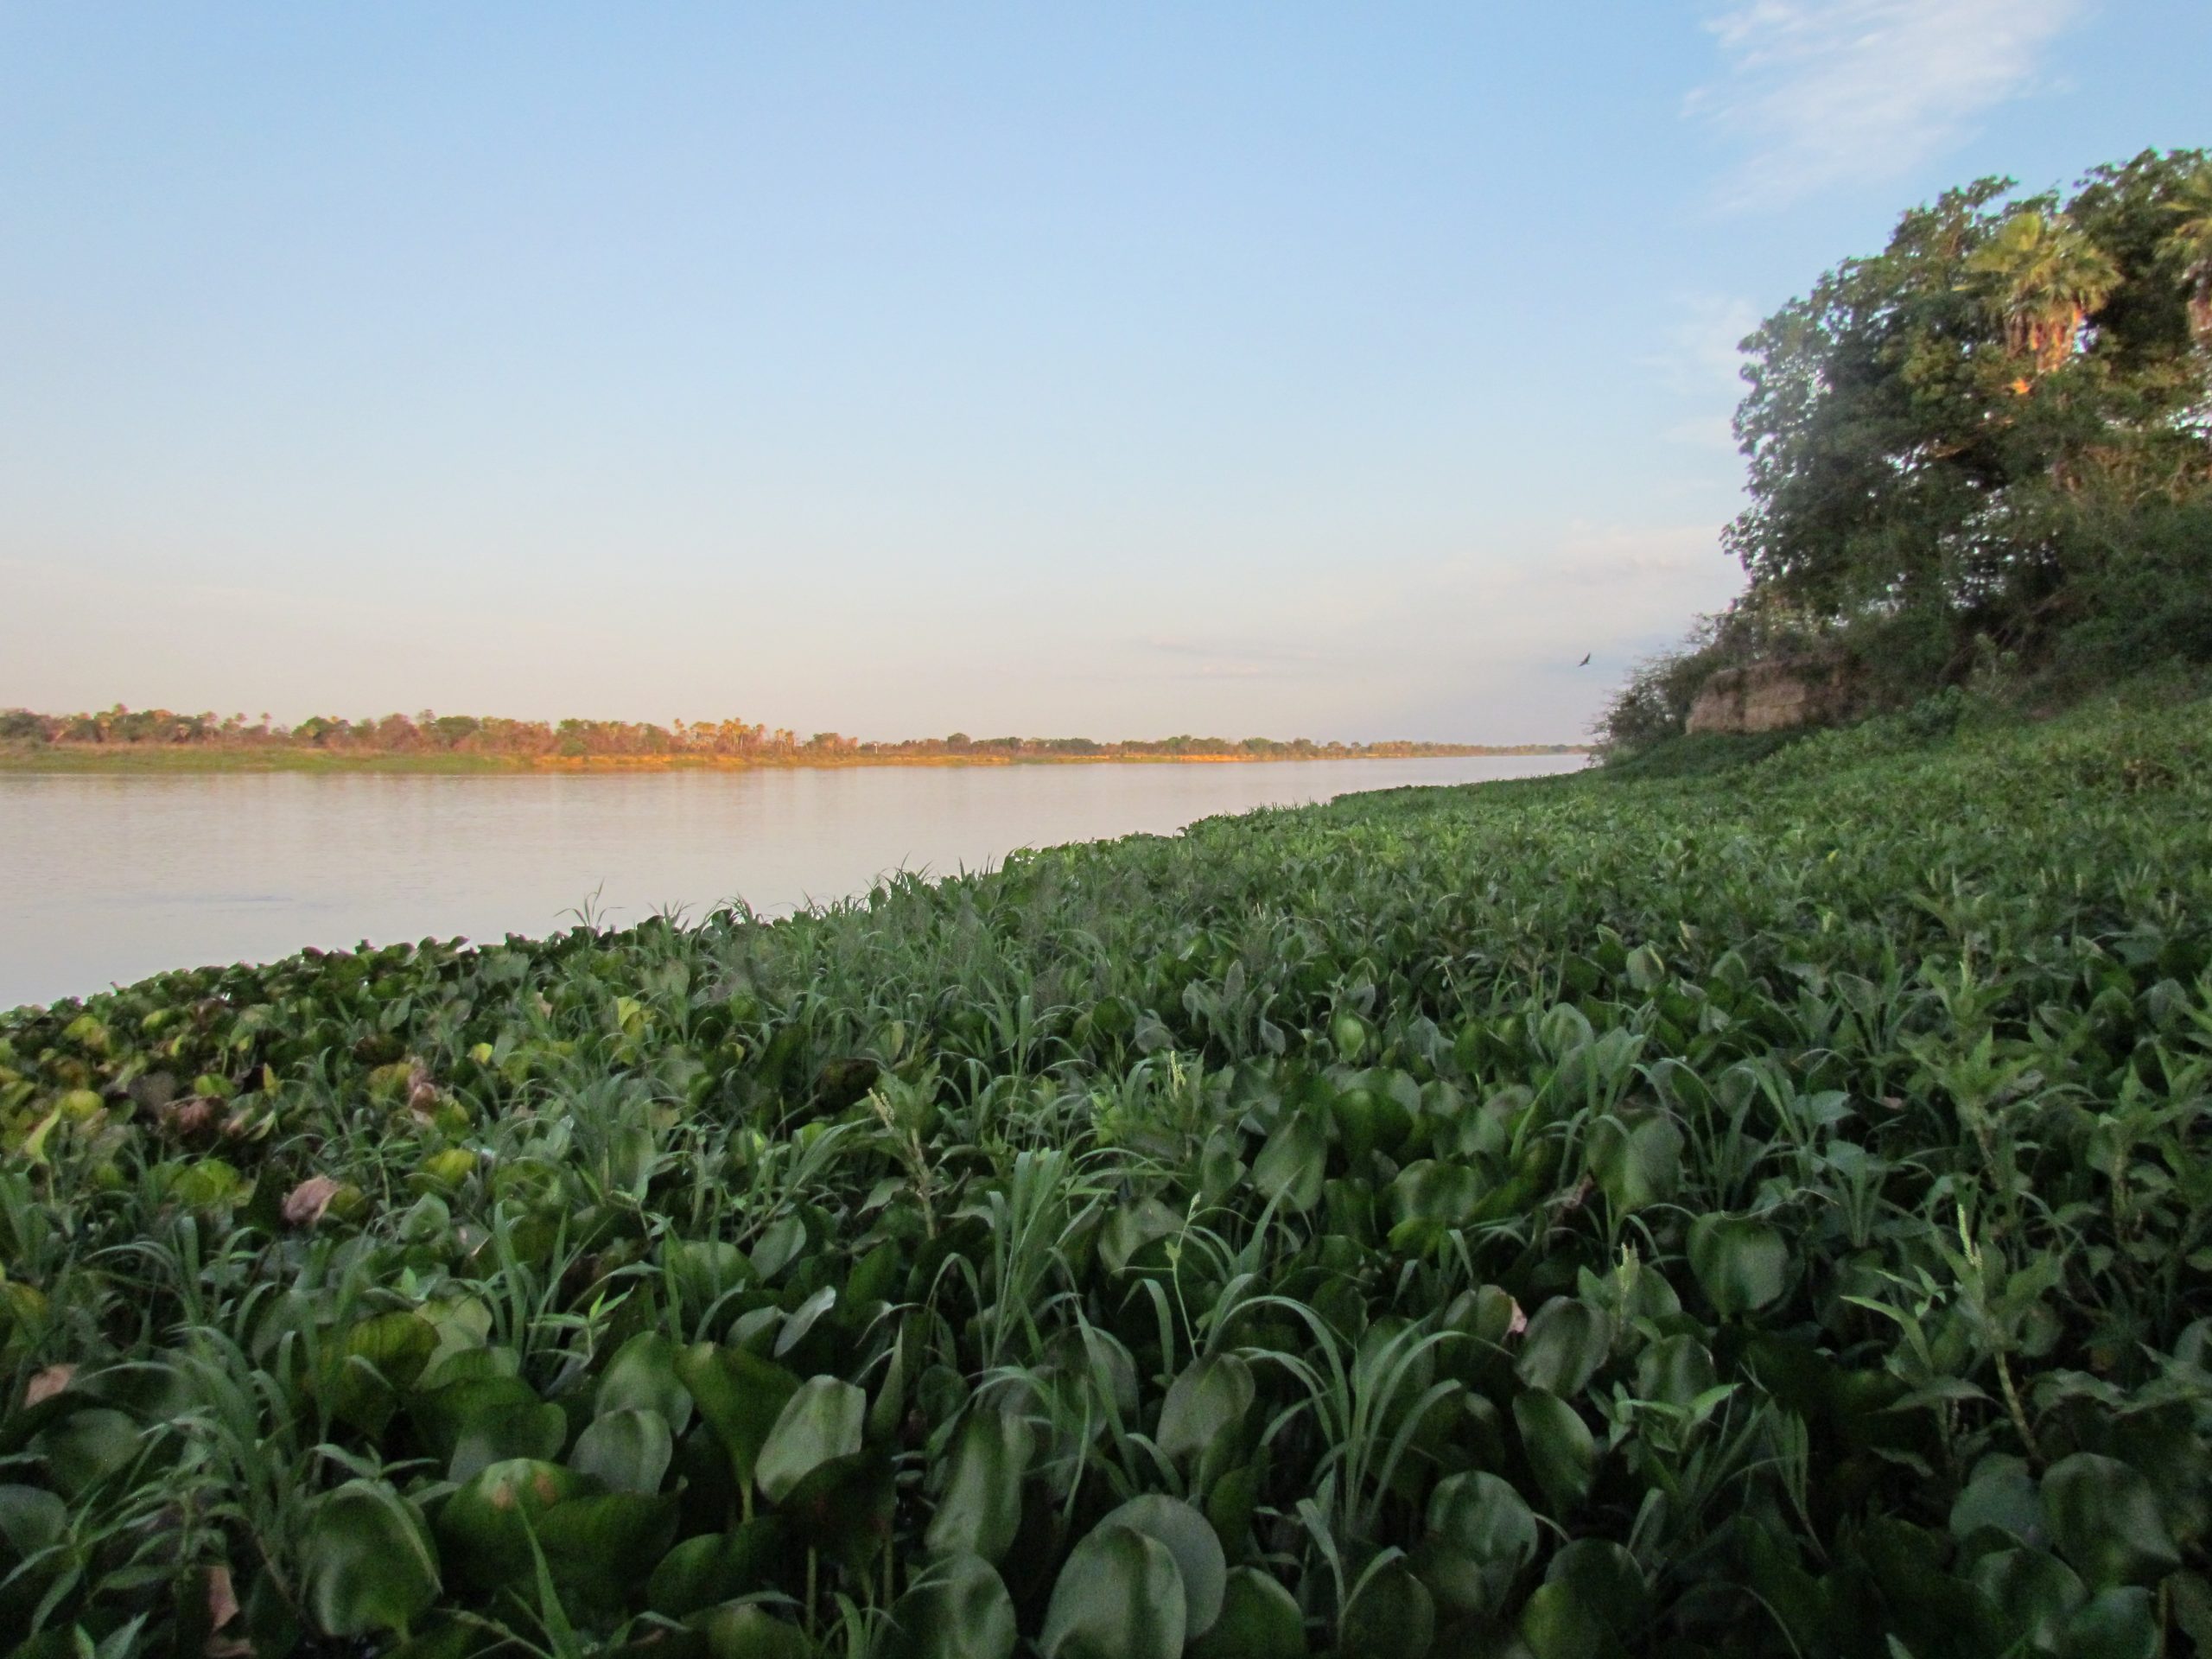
{"points": [[1601, 1205]]}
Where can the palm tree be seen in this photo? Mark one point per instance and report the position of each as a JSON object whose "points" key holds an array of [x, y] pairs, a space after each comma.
{"points": [[2189, 245], [2042, 277]]}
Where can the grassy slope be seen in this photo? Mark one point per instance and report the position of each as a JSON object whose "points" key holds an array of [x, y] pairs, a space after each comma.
{"points": [[1835, 1118]]}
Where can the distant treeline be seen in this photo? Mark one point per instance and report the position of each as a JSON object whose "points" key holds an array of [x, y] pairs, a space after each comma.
{"points": [[725, 739]]}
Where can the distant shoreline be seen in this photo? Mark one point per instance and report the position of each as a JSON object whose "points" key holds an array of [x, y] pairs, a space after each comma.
{"points": [[152, 758]]}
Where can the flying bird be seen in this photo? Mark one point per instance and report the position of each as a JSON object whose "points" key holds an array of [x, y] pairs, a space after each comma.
{"points": [[1584, 662]]}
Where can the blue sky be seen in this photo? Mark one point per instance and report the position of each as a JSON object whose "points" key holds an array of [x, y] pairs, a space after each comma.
{"points": [[1338, 371]]}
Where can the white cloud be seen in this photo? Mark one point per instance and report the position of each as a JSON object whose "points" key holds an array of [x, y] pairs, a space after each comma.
{"points": [[1829, 91]]}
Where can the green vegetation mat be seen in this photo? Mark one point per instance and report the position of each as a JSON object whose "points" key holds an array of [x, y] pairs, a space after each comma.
{"points": [[1762, 1209]]}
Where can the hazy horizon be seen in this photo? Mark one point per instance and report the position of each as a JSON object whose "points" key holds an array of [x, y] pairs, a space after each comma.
{"points": [[1274, 372]]}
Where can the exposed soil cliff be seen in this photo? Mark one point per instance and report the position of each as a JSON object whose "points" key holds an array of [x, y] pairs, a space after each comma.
{"points": [[1771, 696]]}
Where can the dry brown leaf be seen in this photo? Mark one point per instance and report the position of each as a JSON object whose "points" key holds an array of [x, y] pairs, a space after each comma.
{"points": [[47, 1384], [304, 1204]]}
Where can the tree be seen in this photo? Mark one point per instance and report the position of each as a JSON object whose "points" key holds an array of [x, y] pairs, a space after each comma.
{"points": [[2189, 244], [2042, 278]]}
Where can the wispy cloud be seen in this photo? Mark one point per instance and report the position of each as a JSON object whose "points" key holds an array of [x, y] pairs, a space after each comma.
{"points": [[1697, 358], [1828, 91]]}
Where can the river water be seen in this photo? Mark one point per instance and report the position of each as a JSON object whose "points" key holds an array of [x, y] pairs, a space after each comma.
{"points": [[106, 879]]}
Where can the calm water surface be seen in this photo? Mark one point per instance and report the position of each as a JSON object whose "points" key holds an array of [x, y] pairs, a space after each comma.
{"points": [[106, 879]]}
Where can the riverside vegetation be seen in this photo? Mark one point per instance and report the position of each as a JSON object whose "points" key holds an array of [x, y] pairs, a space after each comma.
{"points": [[121, 738], [1744, 1203]]}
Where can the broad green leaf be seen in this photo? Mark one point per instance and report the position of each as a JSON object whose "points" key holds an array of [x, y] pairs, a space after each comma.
{"points": [[1602, 1575], [2034, 1594], [1742, 1264], [536, 1430], [1481, 1533], [607, 1542], [1291, 1165], [1118, 1596], [628, 1449], [366, 1563], [1445, 1194], [86, 1447], [1390, 1614], [718, 1567], [485, 1526], [1189, 1537], [2105, 1521], [1559, 1445], [1674, 1371], [1635, 1164], [642, 1377], [1259, 1620], [1557, 1623], [2002, 1494], [981, 1507], [740, 1394], [2118, 1623], [1566, 1343], [822, 1419], [1206, 1403], [958, 1609], [748, 1631], [843, 1507]]}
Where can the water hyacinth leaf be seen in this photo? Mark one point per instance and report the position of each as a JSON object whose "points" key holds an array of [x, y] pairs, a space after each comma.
{"points": [[1119, 1596], [1189, 1537], [740, 1394], [801, 1320], [1259, 1619], [2001, 1495], [1390, 1614], [1482, 1519], [499, 1432], [1635, 1164], [1133, 1226], [86, 1447], [2104, 1519], [1564, 1343], [1601, 1574], [748, 1630], [627, 1450], [1674, 1371], [31, 1520], [1431, 1191], [706, 1269], [1743, 1265], [778, 1247], [1557, 1623], [1291, 1165], [366, 1563], [642, 1377], [958, 1609], [607, 1542], [1559, 1445], [822, 1419], [843, 1507], [981, 1507], [2117, 1624], [718, 1567], [1206, 1403], [2034, 1594], [485, 1526]]}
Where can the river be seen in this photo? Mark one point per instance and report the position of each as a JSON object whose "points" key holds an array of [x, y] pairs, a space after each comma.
{"points": [[106, 879]]}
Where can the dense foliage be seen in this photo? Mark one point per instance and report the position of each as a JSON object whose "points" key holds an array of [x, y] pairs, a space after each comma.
{"points": [[121, 730], [1597, 1215], [1993, 440]]}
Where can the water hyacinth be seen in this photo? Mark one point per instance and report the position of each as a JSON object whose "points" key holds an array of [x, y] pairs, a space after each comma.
{"points": [[1763, 1211]]}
